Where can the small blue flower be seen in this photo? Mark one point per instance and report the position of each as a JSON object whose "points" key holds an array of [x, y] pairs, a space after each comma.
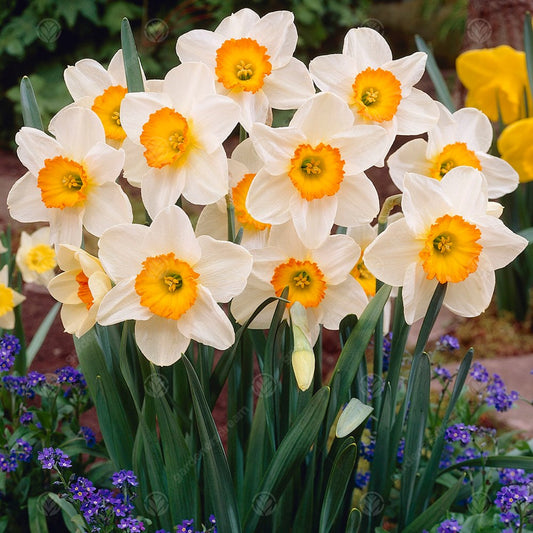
{"points": [[70, 375], [51, 458], [497, 395], [26, 418], [459, 433], [442, 373], [449, 526], [88, 434], [132, 525], [479, 373], [124, 478], [447, 343]]}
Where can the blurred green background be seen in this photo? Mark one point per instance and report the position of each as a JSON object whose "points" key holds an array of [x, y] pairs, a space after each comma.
{"points": [[39, 38]]}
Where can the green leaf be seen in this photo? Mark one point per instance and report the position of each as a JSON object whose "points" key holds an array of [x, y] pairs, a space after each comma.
{"points": [[497, 461], [287, 459], [36, 516], [4, 522], [430, 318], [218, 477], [443, 93], [354, 521], [132, 66], [436, 511], [73, 520], [420, 377], [30, 110], [528, 47], [38, 339], [336, 487], [527, 233]]}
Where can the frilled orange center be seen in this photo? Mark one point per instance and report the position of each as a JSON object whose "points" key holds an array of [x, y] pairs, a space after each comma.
{"points": [[305, 281], [451, 251], [453, 155], [107, 107], [41, 258], [166, 137], [364, 277], [84, 292], [6, 300], [376, 94], [239, 194], [242, 64], [167, 286], [63, 183], [316, 171]]}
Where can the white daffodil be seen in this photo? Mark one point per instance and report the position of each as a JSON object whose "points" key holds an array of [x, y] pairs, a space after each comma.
{"points": [[80, 288], [71, 179], [169, 282], [213, 220], [378, 89], [313, 170], [446, 236], [9, 299], [177, 139], [459, 139], [318, 278], [35, 258], [253, 61]]}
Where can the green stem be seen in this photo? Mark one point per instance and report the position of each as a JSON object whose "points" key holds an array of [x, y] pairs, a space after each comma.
{"points": [[431, 316]]}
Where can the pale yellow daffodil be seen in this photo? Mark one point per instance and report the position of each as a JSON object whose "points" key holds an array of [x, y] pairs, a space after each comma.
{"points": [[514, 145], [9, 299], [35, 258]]}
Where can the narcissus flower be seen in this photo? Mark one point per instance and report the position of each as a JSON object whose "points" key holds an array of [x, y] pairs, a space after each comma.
{"points": [[35, 258], [9, 299], [313, 170], [378, 89], [461, 139], [495, 78], [71, 179], [80, 288], [177, 139], [252, 60], [213, 219], [446, 236], [318, 278], [514, 144], [169, 282]]}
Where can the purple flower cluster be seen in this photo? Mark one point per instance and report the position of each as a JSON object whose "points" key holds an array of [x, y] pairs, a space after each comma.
{"points": [[26, 418], [366, 450], [362, 479], [459, 433], [447, 343], [442, 373], [132, 525], [512, 499], [52, 458], [9, 347], [20, 452], [124, 479], [70, 375], [88, 434], [449, 526], [24, 385], [479, 373], [187, 527], [387, 344], [497, 394]]}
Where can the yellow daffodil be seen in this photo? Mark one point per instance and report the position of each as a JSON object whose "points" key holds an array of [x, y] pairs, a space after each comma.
{"points": [[71, 179], [514, 145], [446, 236], [378, 89], [9, 299], [252, 59], [459, 139], [213, 220], [177, 139], [80, 288], [169, 282], [495, 77], [313, 170], [318, 278], [35, 258]]}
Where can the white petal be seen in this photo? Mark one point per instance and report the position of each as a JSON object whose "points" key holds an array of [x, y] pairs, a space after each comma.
{"points": [[321, 117], [502, 178], [205, 322], [367, 46], [283, 237], [64, 288], [34, 146], [206, 176], [237, 24], [417, 113], [87, 78], [313, 220], [160, 340], [224, 268], [116, 69], [417, 293], [161, 188], [24, 201], [391, 253], [77, 129], [121, 251], [253, 107], [245, 154], [358, 201], [99, 285], [336, 257], [340, 300], [213, 221], [443, 133], [411, 157], [135, 166], [66, 226], [408, 70], [122, 303], [106, 206], [335, 73], [199, 45], [466, 190], [276, 31], [243, 305], [288, 87], [473, 128], [269, 197], [104, 163]]}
